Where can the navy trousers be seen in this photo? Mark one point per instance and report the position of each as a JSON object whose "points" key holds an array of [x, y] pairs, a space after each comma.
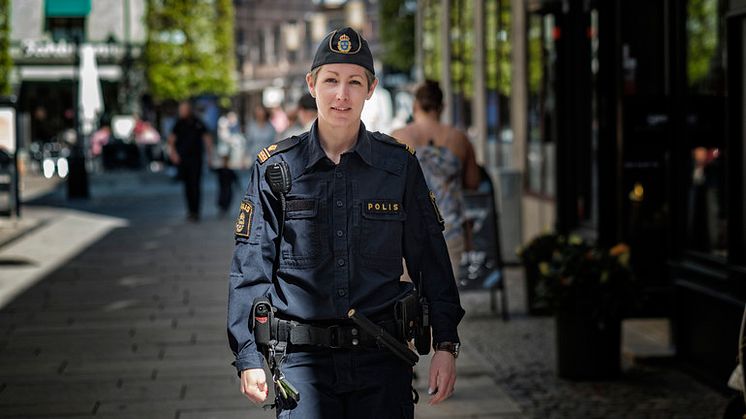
{"points": [[343, 384]]}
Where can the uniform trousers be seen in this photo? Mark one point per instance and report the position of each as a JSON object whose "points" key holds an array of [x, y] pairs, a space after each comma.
{"points": [[190, 172], [349, 384]]}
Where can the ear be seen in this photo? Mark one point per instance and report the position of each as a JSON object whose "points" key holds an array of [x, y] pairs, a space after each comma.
{"points": [[372, 88], [311, 85]]}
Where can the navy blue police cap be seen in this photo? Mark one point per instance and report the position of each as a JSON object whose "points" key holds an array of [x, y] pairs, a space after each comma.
{"points": [[344, 46]]}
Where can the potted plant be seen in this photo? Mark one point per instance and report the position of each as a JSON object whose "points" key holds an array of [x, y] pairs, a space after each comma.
{"points": [[536, 256], [589, 287]]}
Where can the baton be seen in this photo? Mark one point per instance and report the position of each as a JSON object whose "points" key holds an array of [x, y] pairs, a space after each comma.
{"points": [[383, 337]]}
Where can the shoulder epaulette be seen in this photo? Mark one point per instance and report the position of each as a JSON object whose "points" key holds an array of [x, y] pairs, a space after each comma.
{"points": [[277, 147], [393, 141]]}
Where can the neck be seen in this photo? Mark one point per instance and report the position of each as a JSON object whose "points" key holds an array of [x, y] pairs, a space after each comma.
{"points": [[426, 117], [335, 141]]}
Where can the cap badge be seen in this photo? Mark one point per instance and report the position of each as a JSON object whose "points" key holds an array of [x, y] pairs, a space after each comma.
{"points": [[344, 45]]}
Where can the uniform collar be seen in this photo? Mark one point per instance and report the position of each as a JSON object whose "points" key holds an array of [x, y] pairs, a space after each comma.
{"points": [[315, 152]]}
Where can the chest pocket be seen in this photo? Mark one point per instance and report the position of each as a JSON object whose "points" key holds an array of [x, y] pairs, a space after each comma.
{"points": [[382, 229], [303, 243]]}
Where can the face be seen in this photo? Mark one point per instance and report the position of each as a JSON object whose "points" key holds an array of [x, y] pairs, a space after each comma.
{"points": [[184, 109], [340, 91], [259, 114]]}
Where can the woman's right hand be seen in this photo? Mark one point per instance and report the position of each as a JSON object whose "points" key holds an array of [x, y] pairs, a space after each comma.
{"points": [[254, 385]]}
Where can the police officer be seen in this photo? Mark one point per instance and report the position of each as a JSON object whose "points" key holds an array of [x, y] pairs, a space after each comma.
{"points": [[357, 204]]}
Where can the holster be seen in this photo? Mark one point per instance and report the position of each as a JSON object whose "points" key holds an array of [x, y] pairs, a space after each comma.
{"points": [[262, 323], [412, 313]]}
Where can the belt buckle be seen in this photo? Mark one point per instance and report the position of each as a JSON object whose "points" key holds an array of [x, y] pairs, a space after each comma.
{"points": [[334, 337]]}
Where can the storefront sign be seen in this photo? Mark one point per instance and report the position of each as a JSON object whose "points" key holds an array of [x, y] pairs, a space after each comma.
{"points": [[47, 49]]}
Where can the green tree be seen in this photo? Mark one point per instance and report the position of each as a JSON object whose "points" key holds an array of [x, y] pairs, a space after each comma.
{"points": [[702, 40], [398, 33], [6, 62], [189, 49], [431, 42]]}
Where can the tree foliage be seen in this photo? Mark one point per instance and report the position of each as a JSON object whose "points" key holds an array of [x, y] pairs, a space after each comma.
{"points": [[703, 40], [6, 62], [398, 33], [189, 49]]}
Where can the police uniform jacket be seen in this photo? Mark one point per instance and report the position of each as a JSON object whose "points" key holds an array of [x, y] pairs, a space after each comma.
{"points": [[347, 227]]}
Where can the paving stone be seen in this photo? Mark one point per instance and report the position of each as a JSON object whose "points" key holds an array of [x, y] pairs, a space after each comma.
{"points": [[46, 409], [250, 412], [134, 327]]}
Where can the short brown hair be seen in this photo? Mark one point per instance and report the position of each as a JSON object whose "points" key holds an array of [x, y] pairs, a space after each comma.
{"points": [[429, 97]]}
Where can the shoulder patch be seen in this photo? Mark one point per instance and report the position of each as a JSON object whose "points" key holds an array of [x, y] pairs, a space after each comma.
{"points": [[393, 141], [243, 223], [277, 147]]}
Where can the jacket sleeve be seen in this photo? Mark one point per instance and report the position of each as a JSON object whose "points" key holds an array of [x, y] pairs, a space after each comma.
{"points": [[425, 253], [251, 268]]}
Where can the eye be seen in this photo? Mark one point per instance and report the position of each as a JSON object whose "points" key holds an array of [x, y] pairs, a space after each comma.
{"points": [[357, 82], [330, 80]]}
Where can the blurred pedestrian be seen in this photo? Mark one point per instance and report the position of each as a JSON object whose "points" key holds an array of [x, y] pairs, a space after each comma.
{"points": [[306, 114], [355, 204], [260, 132], [230, 151], [279, 119], [148, 142], [447, 160], [187, 144], [98, 140]]}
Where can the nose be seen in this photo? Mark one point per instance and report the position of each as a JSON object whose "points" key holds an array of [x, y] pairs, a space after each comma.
{"points": [[342, 92]]}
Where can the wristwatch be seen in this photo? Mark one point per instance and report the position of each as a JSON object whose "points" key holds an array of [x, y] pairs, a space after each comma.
{"points": [[451, 347]]}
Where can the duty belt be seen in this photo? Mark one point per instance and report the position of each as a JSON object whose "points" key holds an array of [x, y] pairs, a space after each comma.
{"points": [[341, 336]]}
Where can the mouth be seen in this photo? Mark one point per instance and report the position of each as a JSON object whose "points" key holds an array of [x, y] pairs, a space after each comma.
{"points": [[341, 108]]}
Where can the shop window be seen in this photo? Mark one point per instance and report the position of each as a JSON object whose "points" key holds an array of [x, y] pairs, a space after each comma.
{"points": [[542, 114], [278, 44], [66, 28], [262, 42], [706, 208], [587, 204], [498, 69]]}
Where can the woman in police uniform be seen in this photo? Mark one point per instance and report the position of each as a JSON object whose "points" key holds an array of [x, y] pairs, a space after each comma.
{"points": [[358, 203]]}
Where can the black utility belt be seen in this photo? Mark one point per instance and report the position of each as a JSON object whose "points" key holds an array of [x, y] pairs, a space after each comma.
{"points": [[343, 336]]}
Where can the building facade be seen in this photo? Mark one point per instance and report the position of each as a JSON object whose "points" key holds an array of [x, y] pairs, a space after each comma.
{"points": [[276, 41], [43, 45], [626, 126]]}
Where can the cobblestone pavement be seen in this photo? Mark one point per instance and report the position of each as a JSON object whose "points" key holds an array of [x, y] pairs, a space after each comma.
{"points": [[134, 325], [521, 355]]}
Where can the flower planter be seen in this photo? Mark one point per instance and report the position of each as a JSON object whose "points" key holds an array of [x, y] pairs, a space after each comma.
{"points": [[534, 305], [587, 349]]}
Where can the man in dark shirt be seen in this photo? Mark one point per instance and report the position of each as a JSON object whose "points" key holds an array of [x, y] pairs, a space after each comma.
{"points": [[187, 143], [358, 203]]}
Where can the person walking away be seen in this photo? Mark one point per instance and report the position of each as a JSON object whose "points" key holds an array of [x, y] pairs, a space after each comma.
{"points": [[306, 114], [447, 160], [354, 203], [260, 133], [230, 150], [187, 144]]}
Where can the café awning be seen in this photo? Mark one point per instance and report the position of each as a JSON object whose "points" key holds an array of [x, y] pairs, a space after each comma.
{"points": [[67, 8]]}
